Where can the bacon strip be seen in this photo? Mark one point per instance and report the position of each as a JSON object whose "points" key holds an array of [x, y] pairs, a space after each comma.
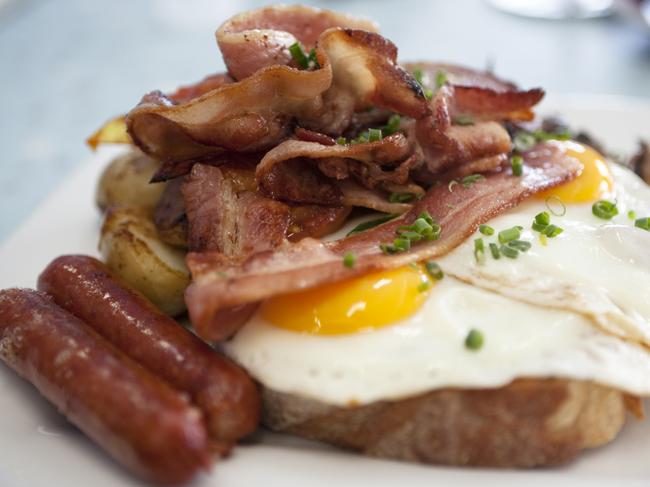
{"points": [[218, 283], [259, 38], [357, 70], [287, 172], [480, 93], [223, 218]]}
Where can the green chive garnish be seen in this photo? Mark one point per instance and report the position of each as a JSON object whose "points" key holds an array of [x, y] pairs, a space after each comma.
{"points": [[474, 340], [374, 135], [418, 75], [552, 231], [631, 214], [523, 141], [298, 55], [479, 251], [520, 245], [424, 286], [463, 120], [517, 163], [401, 197], [313, 59], [468, 181], [341, 141], [441, 79], [486, 230], [494, 250], [349, 260], [643, 223], [543, 218], [362, 227], [604, 209], [434, 270], [509, 234], [392, 125], [509, 252], [428, 94]]}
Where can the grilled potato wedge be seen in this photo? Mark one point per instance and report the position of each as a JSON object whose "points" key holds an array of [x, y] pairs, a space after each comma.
{"points": [[132, 249], [125, 182]]}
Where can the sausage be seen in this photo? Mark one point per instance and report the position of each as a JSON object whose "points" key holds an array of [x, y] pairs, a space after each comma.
{"points": [[222, 390], [136, 417]]}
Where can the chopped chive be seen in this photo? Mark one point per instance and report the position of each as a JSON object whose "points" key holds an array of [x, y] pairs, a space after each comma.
{"points": [[387, 248], [517, 163], [451, 185], [427, 217], [631, 214], [401, 197], [538, 227], [418, 75], [464, 120], [604, 209], [411, 235], [552, 231], [362, 227], [392, 125], [374, 135], [509, 234], [474, 340], [520, 245], [543, 239], [402, 244], [479, 251], [298, 55], [542, 135], [523, 141], [552, 198], [428, 94], [313, 59], [434, 270], [643, 223], [494, 249], [486, 230], [349, 260], [341, 141], [469, 181], [424, 286], [509, 252], [543, 218], [441, 79]]}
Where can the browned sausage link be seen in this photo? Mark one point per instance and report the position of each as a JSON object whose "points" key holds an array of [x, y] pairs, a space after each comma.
{"points": [[225, 393], [137, 418]]}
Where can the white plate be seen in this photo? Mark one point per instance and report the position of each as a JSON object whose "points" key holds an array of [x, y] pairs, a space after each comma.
{"points": [[38, 447]]}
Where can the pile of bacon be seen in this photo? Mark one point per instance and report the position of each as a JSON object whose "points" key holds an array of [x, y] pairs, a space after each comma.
{"points": [[316, 117]]}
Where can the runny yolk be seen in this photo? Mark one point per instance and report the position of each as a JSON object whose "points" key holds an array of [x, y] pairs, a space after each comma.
{"points": [[594, 182], [370, 301]]}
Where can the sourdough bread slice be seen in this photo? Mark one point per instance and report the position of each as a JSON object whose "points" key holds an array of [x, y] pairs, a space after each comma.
{"points": [[528, 423]]}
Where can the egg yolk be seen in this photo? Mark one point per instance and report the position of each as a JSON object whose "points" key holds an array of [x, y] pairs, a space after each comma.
{"points": [[592, 184], [370, 301]]}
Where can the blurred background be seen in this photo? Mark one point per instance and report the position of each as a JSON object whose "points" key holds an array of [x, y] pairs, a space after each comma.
{"points": [[66, 66]]}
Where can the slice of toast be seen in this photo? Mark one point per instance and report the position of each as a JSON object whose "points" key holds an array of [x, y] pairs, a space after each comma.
{"points": [[528, 423]]}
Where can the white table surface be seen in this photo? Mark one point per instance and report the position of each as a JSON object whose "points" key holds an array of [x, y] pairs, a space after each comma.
{"points": [[66, 66]]}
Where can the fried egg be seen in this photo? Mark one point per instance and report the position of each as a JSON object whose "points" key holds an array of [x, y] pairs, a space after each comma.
{"points": [[573, 306]]}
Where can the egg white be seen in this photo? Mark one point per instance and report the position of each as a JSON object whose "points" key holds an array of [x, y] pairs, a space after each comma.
{"points": [[577, 308]]}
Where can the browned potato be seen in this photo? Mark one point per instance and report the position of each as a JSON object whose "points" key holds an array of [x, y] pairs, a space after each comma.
{"points": [[125, 182], [132, 249]]}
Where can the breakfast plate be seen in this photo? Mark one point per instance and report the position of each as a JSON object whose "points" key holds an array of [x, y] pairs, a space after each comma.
{"points": [[39, 448]]}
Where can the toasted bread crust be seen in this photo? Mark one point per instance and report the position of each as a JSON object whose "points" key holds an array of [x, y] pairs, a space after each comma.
{"points": [[528, 423]]}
